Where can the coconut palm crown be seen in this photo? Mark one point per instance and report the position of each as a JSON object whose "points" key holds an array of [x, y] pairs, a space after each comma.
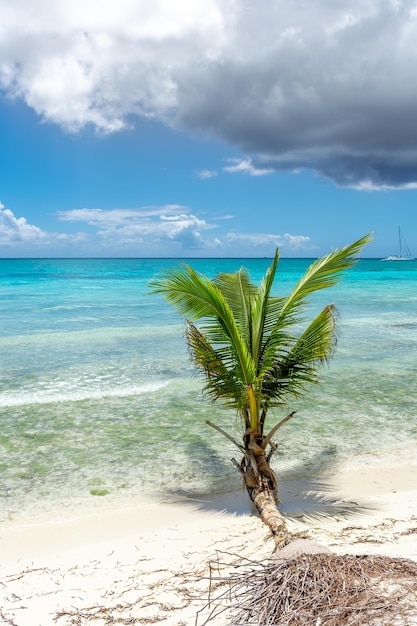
{"points": [[246, 344]]}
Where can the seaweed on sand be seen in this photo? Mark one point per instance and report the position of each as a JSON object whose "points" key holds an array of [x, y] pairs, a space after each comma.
{"points": [[318, 590]]}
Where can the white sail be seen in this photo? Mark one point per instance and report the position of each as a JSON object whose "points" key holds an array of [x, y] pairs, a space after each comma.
{"points": [[404, 253]]}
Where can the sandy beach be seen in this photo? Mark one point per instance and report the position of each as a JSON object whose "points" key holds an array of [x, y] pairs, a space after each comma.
{"points": [[151, 564]]}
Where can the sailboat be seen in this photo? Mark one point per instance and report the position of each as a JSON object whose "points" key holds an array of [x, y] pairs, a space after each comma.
{"points": [[404, 253]]}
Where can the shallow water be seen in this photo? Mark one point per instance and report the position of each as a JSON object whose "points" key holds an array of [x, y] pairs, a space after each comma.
{"points": [[97, 395]]}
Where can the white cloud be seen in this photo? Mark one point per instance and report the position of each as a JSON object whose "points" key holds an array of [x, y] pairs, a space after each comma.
{"points": [[205, 174], [225, 217], [77, 63], [369, 185], [169, 231], [286, 241], [114, 217], [245, 166], [16, 230], [153, 226]]}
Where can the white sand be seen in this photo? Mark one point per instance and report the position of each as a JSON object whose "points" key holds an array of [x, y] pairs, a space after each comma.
{"points": [[150, 564]]}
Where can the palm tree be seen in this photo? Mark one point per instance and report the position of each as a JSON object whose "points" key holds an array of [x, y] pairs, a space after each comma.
{"points": [[251, 356]]}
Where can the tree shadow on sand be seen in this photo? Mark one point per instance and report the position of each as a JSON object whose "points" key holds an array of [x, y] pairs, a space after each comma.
{"points": [[306, 493]]}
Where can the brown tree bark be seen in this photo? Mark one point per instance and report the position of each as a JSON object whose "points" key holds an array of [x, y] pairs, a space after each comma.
{"points": [[260, 479], [261, 485]]}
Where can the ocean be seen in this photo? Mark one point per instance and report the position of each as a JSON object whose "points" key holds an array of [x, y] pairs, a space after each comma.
{"points": [[100, 406]]}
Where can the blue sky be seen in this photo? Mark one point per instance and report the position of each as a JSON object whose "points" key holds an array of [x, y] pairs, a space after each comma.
{"points": [[223, 128]]}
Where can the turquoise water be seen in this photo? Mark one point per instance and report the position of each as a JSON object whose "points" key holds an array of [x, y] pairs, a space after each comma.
{"points": [[97, 395]]}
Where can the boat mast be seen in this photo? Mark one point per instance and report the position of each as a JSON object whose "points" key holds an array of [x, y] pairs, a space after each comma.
{"points": [[399, 239]]}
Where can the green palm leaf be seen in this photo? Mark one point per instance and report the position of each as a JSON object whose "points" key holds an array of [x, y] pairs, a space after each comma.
{"points": [[237, 290], [298, 368], [245, 343], [263, 310], [196, 297], [323, 273]]}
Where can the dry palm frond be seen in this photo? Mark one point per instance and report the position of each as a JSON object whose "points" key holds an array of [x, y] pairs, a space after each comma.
{"points": [[321, 590]]}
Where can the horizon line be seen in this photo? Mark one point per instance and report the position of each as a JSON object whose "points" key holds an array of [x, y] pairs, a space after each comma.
{"points": [[173, 258]]}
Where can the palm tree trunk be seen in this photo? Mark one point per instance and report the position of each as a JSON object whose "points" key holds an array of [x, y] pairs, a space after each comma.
{"points": [[261, 485], [267, 507], [260, 479]]}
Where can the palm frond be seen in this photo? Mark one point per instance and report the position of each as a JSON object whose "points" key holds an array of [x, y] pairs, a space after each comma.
{"points": [[261, 305], [237, 290], [298, 368], [192, 294], [274, 349], [221, 370], [246, 344], [195, 296], [318, 341], [323, 273]]}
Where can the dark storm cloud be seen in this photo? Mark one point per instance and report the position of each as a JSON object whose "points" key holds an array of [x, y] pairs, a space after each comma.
{"points": [[326, 85], [332, 91]]}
